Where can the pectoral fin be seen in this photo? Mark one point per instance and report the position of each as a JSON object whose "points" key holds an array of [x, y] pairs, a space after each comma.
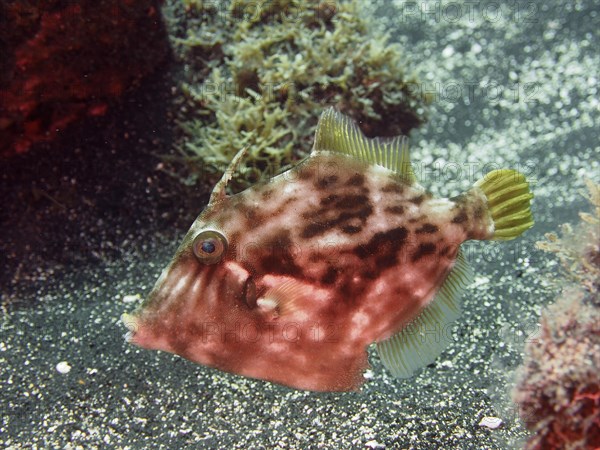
{"points": [[282, 299]]}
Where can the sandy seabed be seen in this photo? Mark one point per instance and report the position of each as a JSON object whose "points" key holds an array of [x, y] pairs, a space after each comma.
{"points": [[512, 87]]}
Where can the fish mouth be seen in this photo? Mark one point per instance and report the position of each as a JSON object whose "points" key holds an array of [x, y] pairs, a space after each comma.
{"points": [[131, 322], [182, 294]]}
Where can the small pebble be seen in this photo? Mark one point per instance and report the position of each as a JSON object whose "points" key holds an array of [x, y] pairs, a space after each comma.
{"points": [[63, 367], [448, 52]]}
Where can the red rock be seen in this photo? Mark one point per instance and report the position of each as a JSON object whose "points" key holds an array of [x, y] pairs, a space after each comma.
{"points": [[66, 61]]}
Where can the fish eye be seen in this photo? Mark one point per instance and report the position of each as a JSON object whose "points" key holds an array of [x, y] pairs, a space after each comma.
{"points": [[209, 246]]}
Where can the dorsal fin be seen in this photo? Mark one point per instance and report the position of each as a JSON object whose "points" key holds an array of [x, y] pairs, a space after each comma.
{"points": [[427, 336], [219, 191], [336, 132]]}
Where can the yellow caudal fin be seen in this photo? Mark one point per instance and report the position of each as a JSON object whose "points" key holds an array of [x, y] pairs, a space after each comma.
{"points": [[508, 199]]}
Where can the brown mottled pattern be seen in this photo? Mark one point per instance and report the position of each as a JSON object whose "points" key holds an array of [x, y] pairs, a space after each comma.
{"points": [[427, 228], [358, 254]]}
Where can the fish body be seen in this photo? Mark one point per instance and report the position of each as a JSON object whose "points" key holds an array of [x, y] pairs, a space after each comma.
{"points": [[291, 280]]}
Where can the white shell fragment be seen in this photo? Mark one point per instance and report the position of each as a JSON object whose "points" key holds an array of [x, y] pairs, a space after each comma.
{"points": [[63, 367], [490, 422], [131, 298]]}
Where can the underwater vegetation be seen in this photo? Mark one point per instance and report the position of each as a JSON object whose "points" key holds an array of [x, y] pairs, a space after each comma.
{"points": [[558, 389], [257, 74]]}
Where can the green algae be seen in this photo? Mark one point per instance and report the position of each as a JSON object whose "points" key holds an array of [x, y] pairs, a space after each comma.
{"points": [[578, 249], [259, 73]]}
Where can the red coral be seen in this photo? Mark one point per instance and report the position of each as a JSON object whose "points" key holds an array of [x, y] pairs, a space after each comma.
{"points": [[558, 390], [68, 60], [576, 425], [559, 386]]}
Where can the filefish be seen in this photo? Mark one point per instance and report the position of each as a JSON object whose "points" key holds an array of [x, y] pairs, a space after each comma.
{"points": [[293, 278]]}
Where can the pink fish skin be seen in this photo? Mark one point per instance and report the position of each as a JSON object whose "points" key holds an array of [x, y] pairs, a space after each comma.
{"points": [[291, 280]]}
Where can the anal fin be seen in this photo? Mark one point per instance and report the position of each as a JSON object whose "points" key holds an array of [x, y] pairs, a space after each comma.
{"points": [[427, 336]]}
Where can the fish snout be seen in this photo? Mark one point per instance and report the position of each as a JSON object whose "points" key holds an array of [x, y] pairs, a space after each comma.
{"points": [[133, 325]]}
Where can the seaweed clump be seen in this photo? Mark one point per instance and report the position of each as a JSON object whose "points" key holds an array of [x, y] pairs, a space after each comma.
{"points": [[558, 389], [258, 74]]}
